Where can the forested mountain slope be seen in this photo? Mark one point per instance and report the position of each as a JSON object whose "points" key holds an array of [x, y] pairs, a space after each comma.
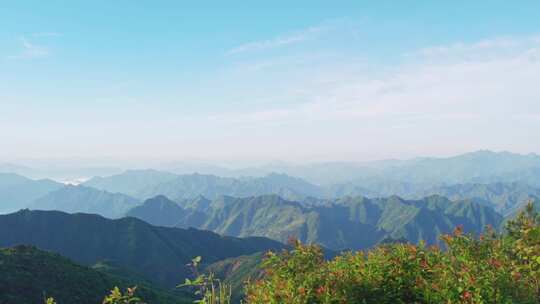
{"points": [[157, 253], [354, 223], [30, 274]]}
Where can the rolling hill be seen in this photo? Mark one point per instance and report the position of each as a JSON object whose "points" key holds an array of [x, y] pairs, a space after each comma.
{"points": [[157, 253], [30, 274]]}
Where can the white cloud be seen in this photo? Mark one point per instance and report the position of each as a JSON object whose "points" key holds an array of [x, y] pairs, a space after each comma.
{"points": [[292, 38], [466, 95], [486, 49], [461, 97], [425, 86], [445, 50]]}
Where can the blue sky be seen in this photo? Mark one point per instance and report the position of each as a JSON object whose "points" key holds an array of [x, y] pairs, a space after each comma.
{"points": [[309, 80]]}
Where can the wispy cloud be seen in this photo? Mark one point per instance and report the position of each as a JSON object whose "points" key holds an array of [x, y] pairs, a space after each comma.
{"points": [[31, 50], [447, 92], [47, 34], [498, 43], [447, 100], [483, 49], [284, 40]]}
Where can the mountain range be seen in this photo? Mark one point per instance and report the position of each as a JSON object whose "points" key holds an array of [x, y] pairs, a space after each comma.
{"points": [[142, 227], [347, 223], [481, 166], [482, 175], [503, 179], [505, 198], [144, 184]]}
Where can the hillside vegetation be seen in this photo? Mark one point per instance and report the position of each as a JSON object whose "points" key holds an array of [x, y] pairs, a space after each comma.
{"points": [[158, 254], [491, 269], [348, 223], [29, 275]]}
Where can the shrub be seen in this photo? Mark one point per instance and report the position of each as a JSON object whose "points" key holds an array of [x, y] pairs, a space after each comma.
{"points": [[490, 269], [116, 297]]}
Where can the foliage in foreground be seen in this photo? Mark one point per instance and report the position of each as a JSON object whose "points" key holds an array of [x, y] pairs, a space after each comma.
{"points": [[117, 297], [491, 269], [211, 289]]}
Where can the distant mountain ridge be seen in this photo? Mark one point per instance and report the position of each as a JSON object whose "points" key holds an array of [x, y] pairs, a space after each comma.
{"points": [[505, 198], [475, 167], [73, 199], [353, 222], [130, 182], [406, 178], [149, 183], [481, 166], [17, 192], [337, 205]]}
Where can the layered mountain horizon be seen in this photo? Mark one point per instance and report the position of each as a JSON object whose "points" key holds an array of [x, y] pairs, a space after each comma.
{"points": [[143, 226], [502, 178]]}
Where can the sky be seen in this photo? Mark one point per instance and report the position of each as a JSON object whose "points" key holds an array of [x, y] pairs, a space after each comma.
{"points": [[275, 81]]}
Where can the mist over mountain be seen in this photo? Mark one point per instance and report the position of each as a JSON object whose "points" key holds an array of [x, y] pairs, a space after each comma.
{"points": [[482, 166], [505, 198], [132, 182], [148, 183], [292, 152], [503, 177], [158, 213], [373, 203], [64, 171], [74, 199], [18, 192]]}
